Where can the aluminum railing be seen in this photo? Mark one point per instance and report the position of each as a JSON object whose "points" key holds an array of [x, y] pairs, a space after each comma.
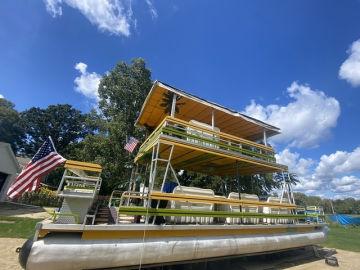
{"points": [[203, 137]]}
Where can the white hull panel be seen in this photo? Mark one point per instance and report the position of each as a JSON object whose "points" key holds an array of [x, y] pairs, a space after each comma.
{"points": [[70, 252]]}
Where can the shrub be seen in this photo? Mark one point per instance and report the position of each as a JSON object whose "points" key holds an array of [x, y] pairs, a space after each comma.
{"points": [[42, 197]]}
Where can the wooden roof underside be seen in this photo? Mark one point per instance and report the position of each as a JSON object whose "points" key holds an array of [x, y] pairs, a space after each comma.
{"points": [[196, 159], [195, 108]]}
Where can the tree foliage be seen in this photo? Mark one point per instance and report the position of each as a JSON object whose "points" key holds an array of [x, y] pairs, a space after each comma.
{"points": [[122, 92], [343, 206], [65, 125], [167, 100], [11, 125], [259, 184]]}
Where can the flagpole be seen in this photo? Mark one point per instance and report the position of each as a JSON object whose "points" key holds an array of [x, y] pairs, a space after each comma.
{"points": [[52, 143]]}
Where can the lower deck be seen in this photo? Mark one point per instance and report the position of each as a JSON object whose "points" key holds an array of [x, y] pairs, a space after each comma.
{"points": [[140, 231]]}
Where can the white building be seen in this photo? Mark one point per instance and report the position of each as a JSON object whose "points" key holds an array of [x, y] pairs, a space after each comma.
{"points": [[9, 168]]}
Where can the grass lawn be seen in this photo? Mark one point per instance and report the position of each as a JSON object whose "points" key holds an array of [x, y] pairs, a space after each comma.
{"points": [[16, 227], [346, 238]]}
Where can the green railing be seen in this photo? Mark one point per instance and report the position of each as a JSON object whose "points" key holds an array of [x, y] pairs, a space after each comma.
{"points": [[202, 137], [115, 198], [221, 214]]}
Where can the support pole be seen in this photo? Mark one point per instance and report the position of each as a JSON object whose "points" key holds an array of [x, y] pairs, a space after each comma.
{"points": [[173, 105], [176, 178], [238, 186], [283, 187], [238, 178], [291, 194], [153, 175], [167, 168], [154, 156], [213, 120], [265, 138]]}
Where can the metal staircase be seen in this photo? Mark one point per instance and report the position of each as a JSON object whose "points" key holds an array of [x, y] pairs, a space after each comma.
{"points": [[79, 187]]}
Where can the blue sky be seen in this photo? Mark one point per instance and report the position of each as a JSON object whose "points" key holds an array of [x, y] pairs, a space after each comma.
{"points": [[295, 64]]}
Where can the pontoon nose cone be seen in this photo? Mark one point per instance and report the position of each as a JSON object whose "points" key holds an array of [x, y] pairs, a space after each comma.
{"points": [[24, 252]]}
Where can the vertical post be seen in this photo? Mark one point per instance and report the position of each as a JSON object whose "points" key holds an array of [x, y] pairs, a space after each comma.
{"points": [[213, 120], [283, 187], [153, 175], [238, 178], [173, 105], [175, 176], [291, 194], [238, 186], [155, 155], [62, 182], [166, 169], [265, 138]]}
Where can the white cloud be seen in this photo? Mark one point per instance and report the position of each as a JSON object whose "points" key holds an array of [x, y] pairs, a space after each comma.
{"points": [[340, 162], [304, 121], [54, 7], [1, 96], [329, 177], [152, 9], [300, 166], [87, 83], [345, 180], [346, 184], [113, 16], [350, 69]]}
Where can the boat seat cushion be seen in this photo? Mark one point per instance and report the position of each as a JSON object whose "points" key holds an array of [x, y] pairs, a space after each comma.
{"points": [[193, 206]]}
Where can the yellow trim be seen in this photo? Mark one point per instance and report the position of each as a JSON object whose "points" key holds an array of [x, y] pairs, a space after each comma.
{"points": [[72, 164], [44, 232], [167, 140]]}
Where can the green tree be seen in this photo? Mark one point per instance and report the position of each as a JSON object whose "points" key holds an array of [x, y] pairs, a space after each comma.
{"points": [[122, 92], [11, 126], [259, 184], [291, 178], [167, 101], [65, 124]]}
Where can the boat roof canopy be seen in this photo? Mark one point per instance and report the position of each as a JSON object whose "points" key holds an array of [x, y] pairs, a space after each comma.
{"points": [[195, 108]]}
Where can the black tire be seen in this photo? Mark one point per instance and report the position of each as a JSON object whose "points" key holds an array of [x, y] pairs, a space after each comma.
{"points": [[24, 252]]}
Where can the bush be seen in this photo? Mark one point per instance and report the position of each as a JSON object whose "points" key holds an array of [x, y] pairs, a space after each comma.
{"points": [[41, 197]]}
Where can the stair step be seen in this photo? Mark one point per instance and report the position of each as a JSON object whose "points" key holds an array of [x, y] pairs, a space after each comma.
{"points": [[101, 219]]}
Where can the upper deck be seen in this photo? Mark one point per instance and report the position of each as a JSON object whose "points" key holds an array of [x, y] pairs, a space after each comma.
{"points": [[203, 136], [187, 107]]}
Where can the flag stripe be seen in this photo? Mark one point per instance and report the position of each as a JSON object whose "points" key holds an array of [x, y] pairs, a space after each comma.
{"points": [[131, 144], [26, 183], [26, 187], [45, 160], [28, 168], [21, 180]]}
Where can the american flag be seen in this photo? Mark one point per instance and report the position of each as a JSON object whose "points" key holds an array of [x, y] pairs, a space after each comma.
{"points": [[131, 144], [45, 160]]}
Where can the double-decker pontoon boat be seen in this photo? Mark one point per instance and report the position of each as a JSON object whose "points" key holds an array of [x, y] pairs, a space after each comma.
{"points": [[159, 221]]}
